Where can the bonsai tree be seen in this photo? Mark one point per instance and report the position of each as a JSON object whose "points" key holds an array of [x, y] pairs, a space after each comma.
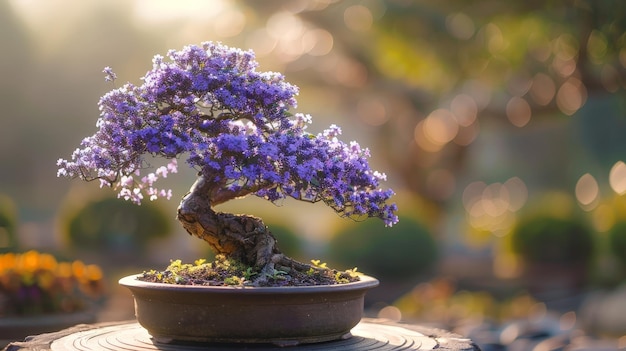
{"points": [[233, 125]]}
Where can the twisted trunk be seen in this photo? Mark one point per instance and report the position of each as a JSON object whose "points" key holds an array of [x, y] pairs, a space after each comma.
{"points": [[241, 237]]}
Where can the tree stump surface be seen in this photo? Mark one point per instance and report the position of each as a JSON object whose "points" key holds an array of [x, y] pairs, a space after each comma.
{"points": [[369, 334]]}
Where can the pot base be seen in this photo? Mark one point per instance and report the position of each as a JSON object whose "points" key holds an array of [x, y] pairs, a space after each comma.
{"points": [[277, 342]]}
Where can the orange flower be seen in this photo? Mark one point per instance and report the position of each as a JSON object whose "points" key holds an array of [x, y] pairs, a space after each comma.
{"points": [[34, 282]]}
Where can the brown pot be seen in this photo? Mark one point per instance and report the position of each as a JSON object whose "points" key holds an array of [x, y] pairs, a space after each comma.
{"points": [[278, 315]]}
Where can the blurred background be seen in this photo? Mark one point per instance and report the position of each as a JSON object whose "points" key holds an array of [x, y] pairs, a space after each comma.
{"points": [[499, 124]]}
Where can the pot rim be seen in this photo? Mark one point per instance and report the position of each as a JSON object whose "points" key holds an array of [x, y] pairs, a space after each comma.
{"points": [[365, 282]]}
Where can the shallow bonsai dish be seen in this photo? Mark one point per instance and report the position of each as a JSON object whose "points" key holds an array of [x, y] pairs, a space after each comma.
{"points": [[279, 315]]}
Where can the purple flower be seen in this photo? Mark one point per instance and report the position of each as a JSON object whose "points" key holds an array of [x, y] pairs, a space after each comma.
{"points": [[209, 104], [109, 75]]}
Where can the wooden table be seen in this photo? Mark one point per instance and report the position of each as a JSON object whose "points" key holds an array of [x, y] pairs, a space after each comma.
{"points": [[369, 334]]}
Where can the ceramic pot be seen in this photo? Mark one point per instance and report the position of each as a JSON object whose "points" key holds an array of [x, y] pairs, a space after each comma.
{"points": [[279, 315]]}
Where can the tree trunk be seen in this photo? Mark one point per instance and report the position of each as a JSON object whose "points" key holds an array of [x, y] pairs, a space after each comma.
{"points": [[240, 237]]}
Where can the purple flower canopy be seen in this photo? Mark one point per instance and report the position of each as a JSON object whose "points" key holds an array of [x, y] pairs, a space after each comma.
{"points": [[233, 124]]}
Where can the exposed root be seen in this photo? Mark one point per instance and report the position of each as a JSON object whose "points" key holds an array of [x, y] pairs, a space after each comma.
{"points": [[240, 237]]}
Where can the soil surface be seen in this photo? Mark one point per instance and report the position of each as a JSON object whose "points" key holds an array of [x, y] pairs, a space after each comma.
{"points": [[228, 272]]}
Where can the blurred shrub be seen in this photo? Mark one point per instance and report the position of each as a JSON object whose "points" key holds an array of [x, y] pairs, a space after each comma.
{"points": [[551, 239], [8, 224], [439, 302], [403, 251], [116, 225], [617, 241], [289, 242]]}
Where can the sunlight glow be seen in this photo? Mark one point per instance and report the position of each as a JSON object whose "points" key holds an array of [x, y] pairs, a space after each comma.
{"points": [[391, 313], [358, 18], [571, 96], [587, 191], [422, 141], [40, 17], [610, 78], [372, 111], [261, 42], [229, 23], [317, 42], [617, 177], [288, 37], [467, 135], [495, 39], [597, 46], [465, 109], [542, 89], [565, 47], [564, 67], [460, 25], [440, 127], [491, 207], [518, 111], [159, 11], [285, 26]]}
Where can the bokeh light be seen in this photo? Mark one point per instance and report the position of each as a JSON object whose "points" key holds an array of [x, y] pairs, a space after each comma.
{"points": [[542, 89], [571, 96], [358, 18], [464, 109], [491, 207], [518, 111], [460, 25], [587, 191], [617, 177]]}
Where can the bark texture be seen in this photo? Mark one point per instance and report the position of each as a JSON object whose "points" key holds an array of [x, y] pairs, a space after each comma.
{"points": [[241, 237]]}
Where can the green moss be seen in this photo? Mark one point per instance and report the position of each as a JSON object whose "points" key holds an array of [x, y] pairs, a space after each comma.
{"points": [[224, 271]]}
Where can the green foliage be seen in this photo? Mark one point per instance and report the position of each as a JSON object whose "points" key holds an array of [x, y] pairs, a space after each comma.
{"points": [[405, 250], [113, 224], [8, 224], [617, 241], [550, 239]]}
